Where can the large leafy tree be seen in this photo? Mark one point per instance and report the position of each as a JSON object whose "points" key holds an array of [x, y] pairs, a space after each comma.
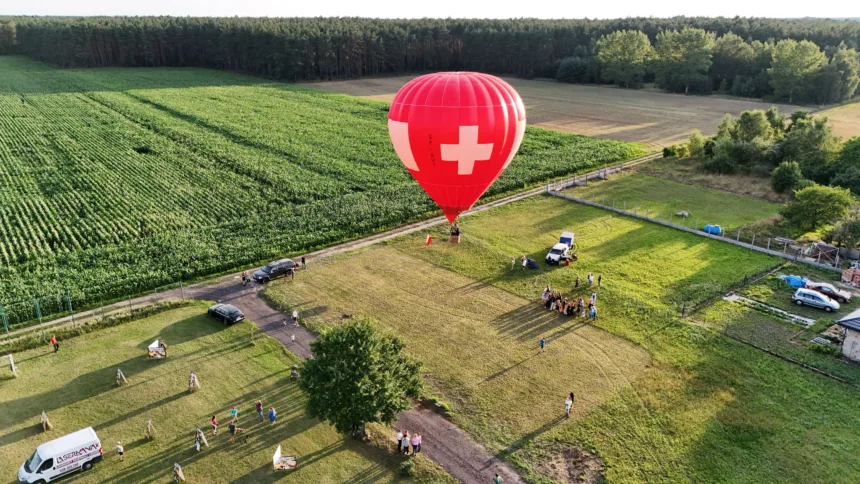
{"points": [[846, 232], [816, 206], [622, 56], [810, 141], [683, 58], [731, 57], [359, 375], [794, 67]]}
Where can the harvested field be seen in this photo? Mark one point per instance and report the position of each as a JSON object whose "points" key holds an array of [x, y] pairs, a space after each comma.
{"points": [[653, 118], [845, 119]]}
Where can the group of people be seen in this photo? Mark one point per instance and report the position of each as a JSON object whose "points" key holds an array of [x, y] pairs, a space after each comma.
{"points": [[554, 301], [404, 441], [234, 423]]}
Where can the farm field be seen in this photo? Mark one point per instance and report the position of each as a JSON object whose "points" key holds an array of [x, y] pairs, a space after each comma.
{"points": [[675, 401], [120, 180], [654, 118], [666, 197], [845, 119], [688, 171], [76, 387], [779, 336]]}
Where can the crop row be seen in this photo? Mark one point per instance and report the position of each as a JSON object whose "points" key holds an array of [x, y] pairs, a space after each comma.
{"points": [[116, 181]]}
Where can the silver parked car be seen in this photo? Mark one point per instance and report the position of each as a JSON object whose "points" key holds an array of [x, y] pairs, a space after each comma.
{"points": [[815, 299]]}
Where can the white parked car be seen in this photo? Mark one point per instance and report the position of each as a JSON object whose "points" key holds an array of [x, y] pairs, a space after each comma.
{"points": [[815, 299], [60, 457]]}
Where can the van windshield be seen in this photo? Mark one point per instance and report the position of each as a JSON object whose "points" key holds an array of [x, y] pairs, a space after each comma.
{"points": [[266, 269], [33, 462], [556, 251]]}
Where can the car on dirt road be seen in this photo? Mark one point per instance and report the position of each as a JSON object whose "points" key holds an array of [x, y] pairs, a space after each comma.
{"points": [[808, 297], [830, 291], [226, 313], [274, 270]]}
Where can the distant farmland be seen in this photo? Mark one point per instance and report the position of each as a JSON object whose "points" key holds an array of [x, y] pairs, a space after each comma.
{"points": [[113, 181], [654, 118]]}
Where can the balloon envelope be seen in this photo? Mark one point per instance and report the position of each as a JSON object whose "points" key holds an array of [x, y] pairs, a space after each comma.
{"points": [[456, 132]]}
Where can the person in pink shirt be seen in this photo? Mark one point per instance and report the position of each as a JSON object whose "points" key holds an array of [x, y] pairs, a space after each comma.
{"points": [[416, 443]]}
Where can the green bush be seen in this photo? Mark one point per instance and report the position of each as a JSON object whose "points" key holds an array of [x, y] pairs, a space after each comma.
{"points": [[825, 350], [786, 177], [407, 468], [669, 151]]}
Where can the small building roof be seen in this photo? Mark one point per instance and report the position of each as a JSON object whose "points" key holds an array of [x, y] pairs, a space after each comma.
{"points": [[852, 321]]}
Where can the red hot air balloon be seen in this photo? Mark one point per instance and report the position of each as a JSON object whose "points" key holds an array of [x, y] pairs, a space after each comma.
{"points": [[456, 132]]}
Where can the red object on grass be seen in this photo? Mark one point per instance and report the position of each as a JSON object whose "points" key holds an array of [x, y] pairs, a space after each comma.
{"points": [[456, 132], [429, 239]]}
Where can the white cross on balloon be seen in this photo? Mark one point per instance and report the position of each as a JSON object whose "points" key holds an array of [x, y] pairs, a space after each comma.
{"points": [[467, 151]]}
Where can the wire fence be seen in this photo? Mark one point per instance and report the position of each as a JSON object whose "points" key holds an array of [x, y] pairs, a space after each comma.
{"points": [[68, 308], [824, 259]]}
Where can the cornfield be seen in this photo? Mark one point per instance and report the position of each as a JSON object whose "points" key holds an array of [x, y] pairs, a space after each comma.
{"points": [[115, 181]]}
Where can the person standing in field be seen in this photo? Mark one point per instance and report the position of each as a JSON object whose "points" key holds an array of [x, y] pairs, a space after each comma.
{"points": [[513, 263], [54, 343], [405, 442], [304, 266], [542, 344], [416, 443], [568, 404], [593, 313], [273, 415], [214, 425], [599, 279], [590, 279], [399, 441], [295, 317], [576, 283], [120, 450], [497, 479], [234, 413], [259, 407], [244, 278], [525, 261], [293, 339]]}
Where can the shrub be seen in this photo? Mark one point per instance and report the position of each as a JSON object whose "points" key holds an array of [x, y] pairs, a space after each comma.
{"points": [[816, 206], [696, 144], [669, 151], [786, 176], [572, 69], [407, 468]]}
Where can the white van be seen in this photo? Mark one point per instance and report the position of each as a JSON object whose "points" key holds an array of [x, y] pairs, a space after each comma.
{"points": [[60, 457]]}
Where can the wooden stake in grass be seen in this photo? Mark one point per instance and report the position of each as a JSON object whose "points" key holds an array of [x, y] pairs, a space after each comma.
{"points": [[193, 382], [149, 429], [46, 424], [12, 365], [120, 377], [178, 476]]}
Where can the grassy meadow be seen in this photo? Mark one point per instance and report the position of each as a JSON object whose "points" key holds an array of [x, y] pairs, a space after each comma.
{"points": [[122, 180], [77, 388], [659, 398], [664, 197]]}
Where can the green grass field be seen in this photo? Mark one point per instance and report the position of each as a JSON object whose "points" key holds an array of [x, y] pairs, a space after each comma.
{"points": [[120, 180], [665, 197], [76, 387], [659, 399]]}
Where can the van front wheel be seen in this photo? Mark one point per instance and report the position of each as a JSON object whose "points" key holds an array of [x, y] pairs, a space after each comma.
{"points": [[39, 482], [88, 465]]}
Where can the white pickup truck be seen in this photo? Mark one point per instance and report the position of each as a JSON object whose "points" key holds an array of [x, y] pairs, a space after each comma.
{"points": [[561, 251]]}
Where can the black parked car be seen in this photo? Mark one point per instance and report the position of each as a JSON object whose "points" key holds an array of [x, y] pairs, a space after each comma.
{"points": [[226, 313], [274, 270]]}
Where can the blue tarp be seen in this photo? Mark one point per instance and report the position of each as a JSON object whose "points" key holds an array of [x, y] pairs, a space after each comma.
{"points": [[794, 281], [713, 229]]}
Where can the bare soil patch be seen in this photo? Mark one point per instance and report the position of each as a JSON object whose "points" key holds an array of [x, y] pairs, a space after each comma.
{"points": [[573, 465], [653, 118]]}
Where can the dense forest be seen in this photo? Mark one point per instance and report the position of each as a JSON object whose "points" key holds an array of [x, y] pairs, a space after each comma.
{"points": [[325, 48]]}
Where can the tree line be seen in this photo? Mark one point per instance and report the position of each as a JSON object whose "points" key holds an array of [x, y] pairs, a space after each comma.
{"points": [[327, 48], [693, 60]]}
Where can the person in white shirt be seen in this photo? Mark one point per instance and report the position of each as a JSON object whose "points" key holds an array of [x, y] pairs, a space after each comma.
{"points": [[295, 317], [399, 441]]}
